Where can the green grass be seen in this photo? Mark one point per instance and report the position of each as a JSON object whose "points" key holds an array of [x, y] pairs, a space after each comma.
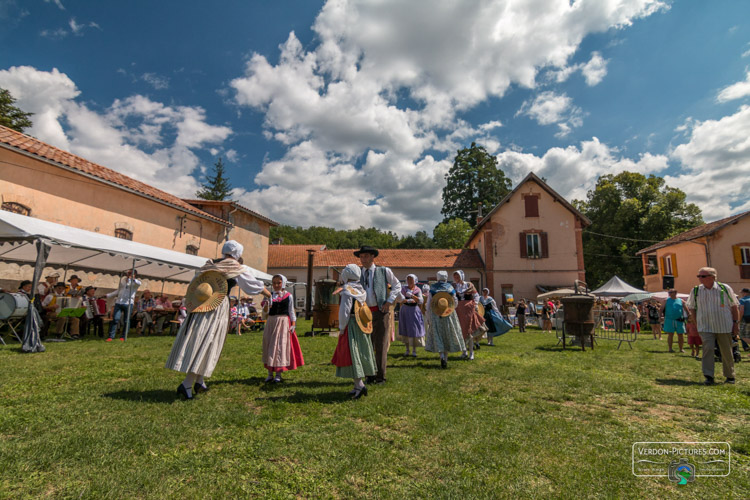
{"points": [[90, 419]]}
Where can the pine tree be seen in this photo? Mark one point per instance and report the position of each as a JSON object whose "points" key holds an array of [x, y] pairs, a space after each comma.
{"points": [[10, 115], [217, 186]]}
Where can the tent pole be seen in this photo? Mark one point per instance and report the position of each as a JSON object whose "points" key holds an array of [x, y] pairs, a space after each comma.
{"points": [[130, 301]]}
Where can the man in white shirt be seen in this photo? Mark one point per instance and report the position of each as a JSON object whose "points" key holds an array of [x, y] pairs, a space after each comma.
{"points": [[715, 309], [375, 280], [123, 304]]}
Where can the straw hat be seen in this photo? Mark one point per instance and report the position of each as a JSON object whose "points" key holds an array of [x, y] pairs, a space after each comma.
{"points": [[206, 292], [363, 315], [480, 309], [442, 304]]}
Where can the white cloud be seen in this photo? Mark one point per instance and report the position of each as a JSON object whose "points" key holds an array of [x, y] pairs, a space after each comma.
{"points": [[156, 81], [548, 108], [382, 87], [56, 2], [593, 71], [141, 138], [715, 163], [573, 171], [735, 91]]}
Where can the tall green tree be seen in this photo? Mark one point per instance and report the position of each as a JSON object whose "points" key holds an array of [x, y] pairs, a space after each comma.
{"points": [[632, 210], [217, 185], [452, 234], [10, 115], [474, 178], [419, 240]]}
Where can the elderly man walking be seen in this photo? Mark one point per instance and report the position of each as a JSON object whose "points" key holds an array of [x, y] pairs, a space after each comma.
{"points": [[375, 281], [715, 309]]}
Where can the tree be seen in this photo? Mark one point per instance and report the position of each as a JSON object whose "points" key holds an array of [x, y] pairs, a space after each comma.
{"points": [[419, 240], [474, 178], [632, 210], [217, 186], [452, 234], [10, 115]]}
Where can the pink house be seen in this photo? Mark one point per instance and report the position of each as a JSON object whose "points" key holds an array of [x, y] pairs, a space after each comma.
{"points": [[723, 244], [530, 241]]}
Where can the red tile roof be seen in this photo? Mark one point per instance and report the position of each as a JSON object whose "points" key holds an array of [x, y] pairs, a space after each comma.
{"points": [[295, 256], [696, 232], [13, 140], [233, 204]]}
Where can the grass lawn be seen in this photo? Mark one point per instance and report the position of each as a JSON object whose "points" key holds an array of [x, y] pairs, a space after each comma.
{"points": [[90, 419]]}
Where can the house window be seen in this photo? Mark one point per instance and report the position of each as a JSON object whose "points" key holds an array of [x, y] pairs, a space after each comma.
{"points": [[123, 234], [531, 203], [533, 246], [16, 208], [668, 265], [745, 256], [651, 265], [191, 250]]}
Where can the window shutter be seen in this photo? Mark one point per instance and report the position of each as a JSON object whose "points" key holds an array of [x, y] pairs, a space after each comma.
{"points": [[523, 245], [745, 272], [674, 265], [545, 248], [663, 263], [737, 251], [532, 205]]}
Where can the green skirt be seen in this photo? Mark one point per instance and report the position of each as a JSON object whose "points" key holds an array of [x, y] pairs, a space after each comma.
{"points": [[363, 357]]}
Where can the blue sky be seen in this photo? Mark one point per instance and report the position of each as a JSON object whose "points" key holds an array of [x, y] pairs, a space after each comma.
{"points": [[349, 113]]}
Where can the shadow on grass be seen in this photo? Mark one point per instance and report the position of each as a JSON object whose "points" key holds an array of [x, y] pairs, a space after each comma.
{"points": [[557, 348], [261, 381], [154, 396], [677, 382], [332, 397]]}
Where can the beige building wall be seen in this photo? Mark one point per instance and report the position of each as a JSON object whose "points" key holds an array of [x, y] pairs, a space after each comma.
{"points": [[57, 195], [502, 253], [691, 256]]}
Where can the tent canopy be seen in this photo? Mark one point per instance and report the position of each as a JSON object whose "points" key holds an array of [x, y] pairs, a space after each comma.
{"points": [[87, 250], [616, 288]]}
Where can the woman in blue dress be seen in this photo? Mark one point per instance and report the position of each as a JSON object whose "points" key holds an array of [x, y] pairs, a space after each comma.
{"points": [[496, 324], [444, 333], [675, 313]]}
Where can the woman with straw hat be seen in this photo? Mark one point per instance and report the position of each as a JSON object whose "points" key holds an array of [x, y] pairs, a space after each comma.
{"points": [[444, 331], [354, 357], [201, 336], [281, 351], [472, 324]]}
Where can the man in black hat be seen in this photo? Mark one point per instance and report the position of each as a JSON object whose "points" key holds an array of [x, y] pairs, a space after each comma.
{"points": [[375, 280], [74, 289]]}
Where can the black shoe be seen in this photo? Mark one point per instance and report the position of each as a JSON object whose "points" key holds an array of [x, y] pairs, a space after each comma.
{"points": [[729, 381], [198, 388], [443, 363], [708, 381], [380, 381], [360, 392], [477, 346], [183, 392], [370, 379]]}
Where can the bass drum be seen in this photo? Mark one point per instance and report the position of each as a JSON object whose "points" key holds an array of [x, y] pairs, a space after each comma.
{"points": [[13, 305]]}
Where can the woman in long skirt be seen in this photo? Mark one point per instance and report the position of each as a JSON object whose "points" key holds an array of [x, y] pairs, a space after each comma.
{"points": [[281, 351], [201, 336], [354, 357], [496, 324], [410, 320], [444, 330], [471, 322]]}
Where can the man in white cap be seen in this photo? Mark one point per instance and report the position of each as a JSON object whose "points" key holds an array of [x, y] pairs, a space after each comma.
{"points": [[45, 287]]}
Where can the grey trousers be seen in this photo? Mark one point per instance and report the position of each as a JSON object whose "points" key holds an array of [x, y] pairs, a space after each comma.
{"points": [[725, 347], [381, 340]]}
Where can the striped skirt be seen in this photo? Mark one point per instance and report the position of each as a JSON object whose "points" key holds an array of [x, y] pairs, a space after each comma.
{"points": [[199, 341]]}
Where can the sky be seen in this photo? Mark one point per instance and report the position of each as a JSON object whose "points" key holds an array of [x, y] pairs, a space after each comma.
{"points": [[349, 113]]}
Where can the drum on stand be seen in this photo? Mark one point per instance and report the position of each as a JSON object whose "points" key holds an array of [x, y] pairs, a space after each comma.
{"points": [[13, 310], [13, 305]]}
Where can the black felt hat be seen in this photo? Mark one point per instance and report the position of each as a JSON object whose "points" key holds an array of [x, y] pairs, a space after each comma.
{"points": [[367, 249]]}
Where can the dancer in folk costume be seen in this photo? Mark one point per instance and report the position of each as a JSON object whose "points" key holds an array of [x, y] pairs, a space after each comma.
{"points": [[496, 324], [281, 351], [472, 324], [444, 330], [410, 319], [201, 336], [354, 357]]}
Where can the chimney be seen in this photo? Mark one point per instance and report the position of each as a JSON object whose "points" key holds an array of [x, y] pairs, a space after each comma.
{"points": [[479, 213]]}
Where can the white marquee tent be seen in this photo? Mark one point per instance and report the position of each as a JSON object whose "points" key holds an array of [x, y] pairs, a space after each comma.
{"points": [[615, 288], [26, 240]]}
